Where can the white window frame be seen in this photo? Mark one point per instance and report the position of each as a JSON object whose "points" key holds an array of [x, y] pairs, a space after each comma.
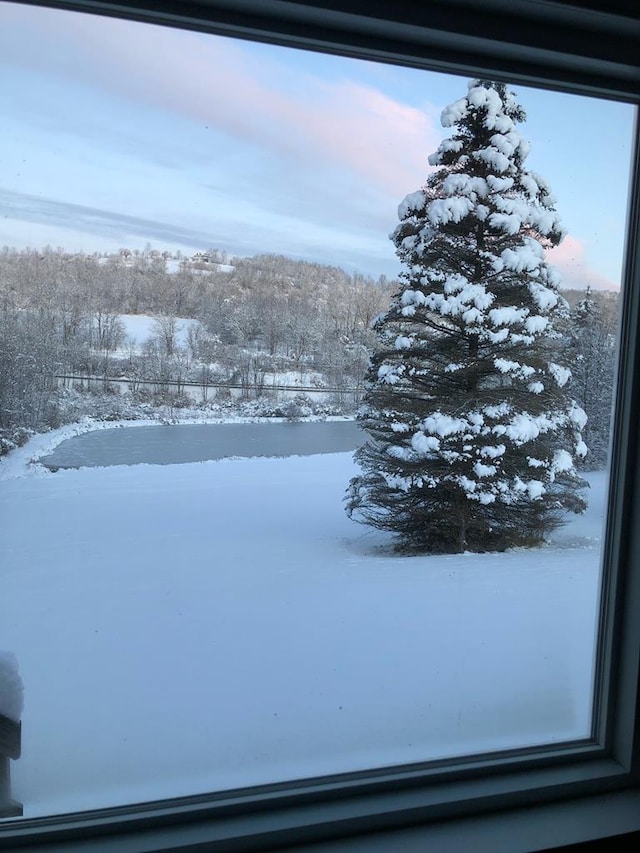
{"points": [[521, 800]]}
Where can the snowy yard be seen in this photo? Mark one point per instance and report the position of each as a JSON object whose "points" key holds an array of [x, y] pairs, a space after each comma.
{"points": [[187, 628]]}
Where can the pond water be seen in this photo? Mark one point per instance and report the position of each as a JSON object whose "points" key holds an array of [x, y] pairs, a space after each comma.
{"points": [[174, 443]]}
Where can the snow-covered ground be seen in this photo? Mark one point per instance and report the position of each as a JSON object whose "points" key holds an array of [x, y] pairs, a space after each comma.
{"points": [[187, 628], [292, 378]]}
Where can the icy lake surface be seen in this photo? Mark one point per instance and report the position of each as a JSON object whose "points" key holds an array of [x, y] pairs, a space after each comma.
{"points": [[175, 443]]}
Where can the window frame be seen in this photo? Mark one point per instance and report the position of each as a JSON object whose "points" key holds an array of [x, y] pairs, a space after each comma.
{"points": [[523, 799]]}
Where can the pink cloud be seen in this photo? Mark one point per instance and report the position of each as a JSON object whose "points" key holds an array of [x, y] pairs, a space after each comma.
{"points": [[296, 116], [571, 261], [380, 139], [341, 124]]}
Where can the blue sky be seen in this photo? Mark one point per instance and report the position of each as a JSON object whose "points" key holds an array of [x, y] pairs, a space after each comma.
{"points": [[119, 134]]}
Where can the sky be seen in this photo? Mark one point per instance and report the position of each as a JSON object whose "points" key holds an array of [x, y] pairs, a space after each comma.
{"points": [[118, 134]]}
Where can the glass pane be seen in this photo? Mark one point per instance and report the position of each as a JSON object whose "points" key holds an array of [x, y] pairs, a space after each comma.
{"points": [[197, 270]]}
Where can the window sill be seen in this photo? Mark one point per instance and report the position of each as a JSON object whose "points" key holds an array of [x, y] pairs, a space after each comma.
{"points": [[526, 810], [525, 830]]}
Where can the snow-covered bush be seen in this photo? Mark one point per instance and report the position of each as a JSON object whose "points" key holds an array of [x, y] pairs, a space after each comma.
{"points": [[11, 687], [300, 406], [13, 437]]}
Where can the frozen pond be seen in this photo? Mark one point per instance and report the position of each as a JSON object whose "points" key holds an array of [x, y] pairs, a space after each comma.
{"points": [[169, 444]]}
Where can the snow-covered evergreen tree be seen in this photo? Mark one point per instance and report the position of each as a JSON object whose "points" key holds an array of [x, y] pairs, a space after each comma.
{"points": [[472, 433]]}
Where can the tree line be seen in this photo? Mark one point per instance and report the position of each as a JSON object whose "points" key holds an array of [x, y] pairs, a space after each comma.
{"points": [[60, 313]]}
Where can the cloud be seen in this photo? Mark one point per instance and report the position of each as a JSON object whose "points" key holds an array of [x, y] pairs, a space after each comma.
{"points": [[310, 122], [358, 251], [337, 128], [571, 261], [94, 220], [313, 158]]}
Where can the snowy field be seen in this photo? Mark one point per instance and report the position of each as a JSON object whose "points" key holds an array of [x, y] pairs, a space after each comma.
{"points": [[187, 628], [140, 327]]}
